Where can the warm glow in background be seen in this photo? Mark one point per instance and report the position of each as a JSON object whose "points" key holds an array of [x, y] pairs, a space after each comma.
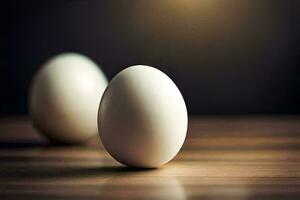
{"points": [[227, 57]]}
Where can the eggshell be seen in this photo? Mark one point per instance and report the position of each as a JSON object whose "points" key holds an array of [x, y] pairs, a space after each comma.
{"points": [[142, 118], [64, 98]]}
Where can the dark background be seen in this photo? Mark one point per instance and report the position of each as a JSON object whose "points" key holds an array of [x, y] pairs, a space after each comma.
{"points": [[226, 56]]}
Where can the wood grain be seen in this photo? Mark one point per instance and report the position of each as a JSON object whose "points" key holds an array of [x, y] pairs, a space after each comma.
{"points": [[246, 157]]}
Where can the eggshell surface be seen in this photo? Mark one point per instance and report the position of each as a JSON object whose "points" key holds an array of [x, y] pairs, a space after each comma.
{"points": [[142, 118], [64, 98]]}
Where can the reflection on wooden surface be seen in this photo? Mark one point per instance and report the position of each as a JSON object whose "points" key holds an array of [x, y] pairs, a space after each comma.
{"points": [[222, 158]]}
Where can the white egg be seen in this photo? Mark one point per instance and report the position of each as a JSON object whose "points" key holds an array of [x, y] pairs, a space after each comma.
{"points": [[64, 98], [142, 118]]}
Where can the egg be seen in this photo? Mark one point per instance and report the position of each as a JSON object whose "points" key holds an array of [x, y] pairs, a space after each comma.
{"points": [[142, 117], [64, 98]]}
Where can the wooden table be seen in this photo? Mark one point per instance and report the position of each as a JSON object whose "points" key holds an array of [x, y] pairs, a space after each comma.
{"points": [[242, 157]]}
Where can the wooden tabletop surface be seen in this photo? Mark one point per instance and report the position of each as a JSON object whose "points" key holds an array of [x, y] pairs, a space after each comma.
{"points": [[256, 157]]}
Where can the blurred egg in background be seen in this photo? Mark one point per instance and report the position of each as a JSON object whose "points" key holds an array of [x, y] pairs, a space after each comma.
{"points": [[64, 98]]}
